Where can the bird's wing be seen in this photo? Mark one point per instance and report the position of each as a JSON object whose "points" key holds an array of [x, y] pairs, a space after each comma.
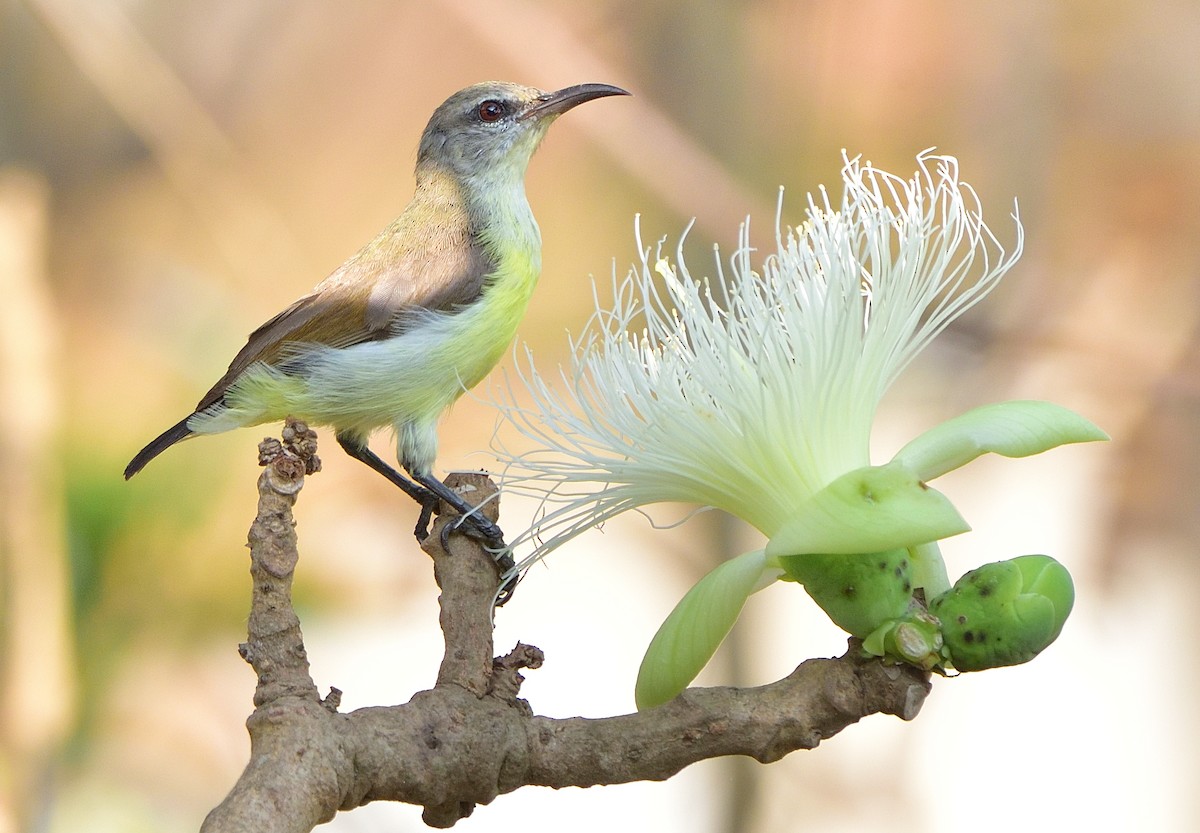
{"points": [[365, 300]]}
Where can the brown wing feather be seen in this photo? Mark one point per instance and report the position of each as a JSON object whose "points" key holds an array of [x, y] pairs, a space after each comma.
{"points": [[365, 298], [452, 276]]}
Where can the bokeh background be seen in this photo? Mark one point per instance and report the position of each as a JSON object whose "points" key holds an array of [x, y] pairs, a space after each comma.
{"points": [[172, 174]]}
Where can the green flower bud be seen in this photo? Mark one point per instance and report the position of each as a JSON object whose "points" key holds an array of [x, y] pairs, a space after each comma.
{"points": [[859, 592], [1004, 613]]}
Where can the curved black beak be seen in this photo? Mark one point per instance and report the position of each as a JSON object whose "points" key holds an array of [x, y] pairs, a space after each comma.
{"points": [[556, 103]]}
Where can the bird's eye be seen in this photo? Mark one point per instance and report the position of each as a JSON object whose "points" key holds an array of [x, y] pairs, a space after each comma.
{"points": [[490, 111]]}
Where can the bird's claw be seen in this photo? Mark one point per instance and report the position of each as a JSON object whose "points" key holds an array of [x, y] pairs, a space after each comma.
{"points": [[506, 590], [483, 530], [474, 526]]}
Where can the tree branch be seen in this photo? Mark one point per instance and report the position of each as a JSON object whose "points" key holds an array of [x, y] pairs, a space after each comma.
{"points": [[470, 738], [467, 579]]}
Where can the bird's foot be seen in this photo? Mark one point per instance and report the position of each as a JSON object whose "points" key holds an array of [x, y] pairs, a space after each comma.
{"points": [[489, 534], [462, 516], [477, 527]]}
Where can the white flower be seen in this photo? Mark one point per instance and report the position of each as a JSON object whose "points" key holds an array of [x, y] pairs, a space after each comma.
{"points": [[755, 392], [752, 392]]}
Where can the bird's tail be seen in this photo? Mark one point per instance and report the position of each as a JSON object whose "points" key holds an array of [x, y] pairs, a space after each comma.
{"points": [[178, 431]]}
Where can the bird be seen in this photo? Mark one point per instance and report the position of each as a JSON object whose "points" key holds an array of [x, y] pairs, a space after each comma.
{"points": [[419, 315]]}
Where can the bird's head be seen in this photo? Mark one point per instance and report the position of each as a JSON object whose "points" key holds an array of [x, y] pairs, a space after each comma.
{"points": [[487, 132]]}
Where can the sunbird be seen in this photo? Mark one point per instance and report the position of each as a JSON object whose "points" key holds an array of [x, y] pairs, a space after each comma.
{"points": [[417, 316]]}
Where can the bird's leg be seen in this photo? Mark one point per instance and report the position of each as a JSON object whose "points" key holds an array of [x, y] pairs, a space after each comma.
{"points": [[428, 491], [357, 449]]}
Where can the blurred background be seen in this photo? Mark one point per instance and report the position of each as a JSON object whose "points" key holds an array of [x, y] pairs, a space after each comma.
{"points": [[172, 174]]}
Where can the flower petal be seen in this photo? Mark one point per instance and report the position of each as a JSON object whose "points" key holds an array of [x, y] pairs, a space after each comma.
{"points": [[1014, 429], [696, 627], [928, 569], [872, 509]]}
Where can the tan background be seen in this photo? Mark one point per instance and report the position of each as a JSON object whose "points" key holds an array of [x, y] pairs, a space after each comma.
{"points": [[173, 173]]}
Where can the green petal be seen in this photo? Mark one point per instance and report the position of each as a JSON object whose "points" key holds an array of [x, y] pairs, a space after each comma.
{"points": [[1004, 613], [1013, 429], [696, 627], [872, 509], [928, 569], [859, 592]]}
